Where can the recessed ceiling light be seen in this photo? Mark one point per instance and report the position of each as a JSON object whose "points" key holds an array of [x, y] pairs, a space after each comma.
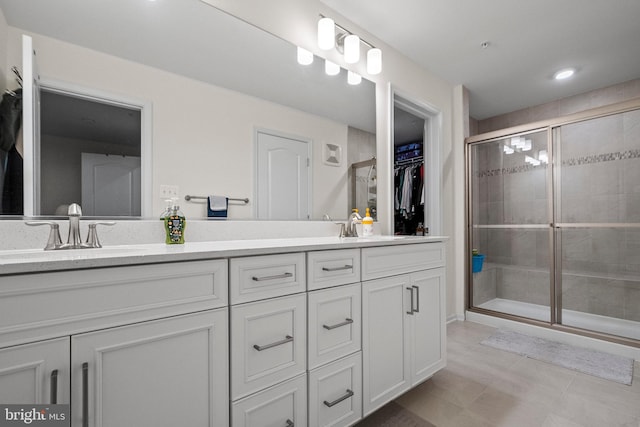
{"points": [[564, 74]]}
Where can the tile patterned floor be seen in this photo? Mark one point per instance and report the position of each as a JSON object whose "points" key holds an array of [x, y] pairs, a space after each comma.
{"points": [[486, 387]]}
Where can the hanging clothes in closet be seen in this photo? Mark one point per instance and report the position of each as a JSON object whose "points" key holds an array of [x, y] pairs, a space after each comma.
{"points": [[409, 195]]}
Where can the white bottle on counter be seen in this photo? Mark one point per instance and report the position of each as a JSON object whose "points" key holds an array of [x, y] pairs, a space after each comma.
{"points": [[367, 225]]}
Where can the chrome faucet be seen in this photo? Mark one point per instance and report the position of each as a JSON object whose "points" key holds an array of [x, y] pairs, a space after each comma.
{"points": [[74, 241], [349, 229]]}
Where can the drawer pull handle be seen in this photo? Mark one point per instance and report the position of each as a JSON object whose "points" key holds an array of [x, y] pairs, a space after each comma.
{"points": [[54, 387], [277, 276], [346, 267], [417, 310], [289, 338], [412, 310], [347, 395], [85, 394], [347, 321], [289, 423]]}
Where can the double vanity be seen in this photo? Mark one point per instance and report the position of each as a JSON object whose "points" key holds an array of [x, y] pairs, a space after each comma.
{"points": [[273, 332]]}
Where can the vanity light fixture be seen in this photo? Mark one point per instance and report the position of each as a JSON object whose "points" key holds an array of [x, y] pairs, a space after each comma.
{"points": [[326, 33], [331, 68], [304, 56], [564, 74], [353, 78], [351, 49], [332, 35]]}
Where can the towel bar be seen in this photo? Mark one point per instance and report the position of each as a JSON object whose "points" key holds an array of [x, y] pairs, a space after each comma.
{"points": [[188, 198]]}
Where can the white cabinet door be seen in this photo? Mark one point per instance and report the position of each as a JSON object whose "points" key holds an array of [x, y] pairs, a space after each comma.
{"points": [[164, 373], [385, 343], [35, 373], [427, 324]]}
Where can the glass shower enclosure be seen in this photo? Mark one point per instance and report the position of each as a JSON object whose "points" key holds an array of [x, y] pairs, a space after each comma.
{"points": [[555, 211]]}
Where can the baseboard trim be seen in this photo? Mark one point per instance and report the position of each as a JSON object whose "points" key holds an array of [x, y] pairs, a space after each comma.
{"points": [[455, 318]]}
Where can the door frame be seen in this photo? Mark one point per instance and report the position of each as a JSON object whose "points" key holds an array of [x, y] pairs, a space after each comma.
{"points": [[279, 134], [146, 126], [432, 144]]}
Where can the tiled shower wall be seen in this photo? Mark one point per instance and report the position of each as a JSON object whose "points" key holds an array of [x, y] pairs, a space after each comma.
{"points": [[599, 183]]}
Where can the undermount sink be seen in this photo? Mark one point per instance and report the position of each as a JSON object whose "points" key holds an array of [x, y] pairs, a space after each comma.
{"points": [[65, 254]]}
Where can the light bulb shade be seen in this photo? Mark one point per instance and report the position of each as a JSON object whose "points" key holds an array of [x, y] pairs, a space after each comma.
{"points": [[326, 33], [304, 56], [353, 78], [351, 49], [331, 68], [374, 61]]}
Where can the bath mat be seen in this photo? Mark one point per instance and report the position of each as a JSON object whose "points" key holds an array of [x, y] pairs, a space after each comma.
{"points": [[393, 415], [592, 362]]}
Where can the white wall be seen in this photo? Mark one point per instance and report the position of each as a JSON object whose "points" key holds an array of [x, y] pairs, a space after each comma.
{"points": [[296, 21], [202, 134]]}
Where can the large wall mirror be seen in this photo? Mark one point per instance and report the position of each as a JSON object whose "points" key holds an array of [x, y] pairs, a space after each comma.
{"points": [[214, 84]]}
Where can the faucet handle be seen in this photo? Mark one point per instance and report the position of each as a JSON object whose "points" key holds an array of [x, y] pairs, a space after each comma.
{"points": [[54, 241], [343, 232], [92, 236]]}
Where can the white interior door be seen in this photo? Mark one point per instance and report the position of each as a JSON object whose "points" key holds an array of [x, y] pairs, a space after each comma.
{"points": [[110, 185], [282, 177]]}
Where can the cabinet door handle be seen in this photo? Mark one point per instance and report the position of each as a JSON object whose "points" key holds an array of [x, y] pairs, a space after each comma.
{"points": [[289, 423], [417, 310], [54, 387], [277, 276], [85, 394], [347, 395], [288, 338], [347, 321], [411, 305], [346, 267]]}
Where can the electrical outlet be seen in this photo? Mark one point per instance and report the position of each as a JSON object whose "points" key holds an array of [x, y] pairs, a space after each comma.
{"points": [[168, 191]]}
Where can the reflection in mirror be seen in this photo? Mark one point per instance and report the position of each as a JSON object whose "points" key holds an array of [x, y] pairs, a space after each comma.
{"points": [[89, 152], [212, 81]]}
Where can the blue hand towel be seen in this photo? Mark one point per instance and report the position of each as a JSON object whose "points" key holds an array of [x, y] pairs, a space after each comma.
{"points": [[217, 206]]}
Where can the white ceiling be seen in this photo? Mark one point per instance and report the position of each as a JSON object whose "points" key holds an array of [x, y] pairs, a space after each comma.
{"points": [[528, 42]]}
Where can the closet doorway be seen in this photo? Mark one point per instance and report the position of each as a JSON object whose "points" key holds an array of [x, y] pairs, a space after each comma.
{"points": [[416, 167]]}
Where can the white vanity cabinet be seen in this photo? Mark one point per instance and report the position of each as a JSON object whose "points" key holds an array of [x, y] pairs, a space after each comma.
{"points": [[318, 334], [123, 349], [404, 337]]}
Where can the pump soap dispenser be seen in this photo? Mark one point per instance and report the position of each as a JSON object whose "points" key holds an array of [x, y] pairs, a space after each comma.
{"points": [[175, 224]]}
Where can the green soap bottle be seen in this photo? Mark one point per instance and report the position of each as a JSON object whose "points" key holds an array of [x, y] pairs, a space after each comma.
{"points": [[174, 225]]}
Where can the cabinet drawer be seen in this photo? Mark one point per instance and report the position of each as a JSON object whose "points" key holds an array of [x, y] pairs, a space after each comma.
{"points": [[334, 323], [332, 268], [384, 261], [282, 405], [335, 393], [38, 306], [268, 276], [268, 343]]}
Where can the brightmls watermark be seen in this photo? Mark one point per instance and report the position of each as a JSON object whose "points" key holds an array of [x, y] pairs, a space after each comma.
{"points": [[35, 415]]}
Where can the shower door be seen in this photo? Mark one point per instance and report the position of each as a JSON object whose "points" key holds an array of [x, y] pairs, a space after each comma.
{"points": [[510, 225], [597, 209]]}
